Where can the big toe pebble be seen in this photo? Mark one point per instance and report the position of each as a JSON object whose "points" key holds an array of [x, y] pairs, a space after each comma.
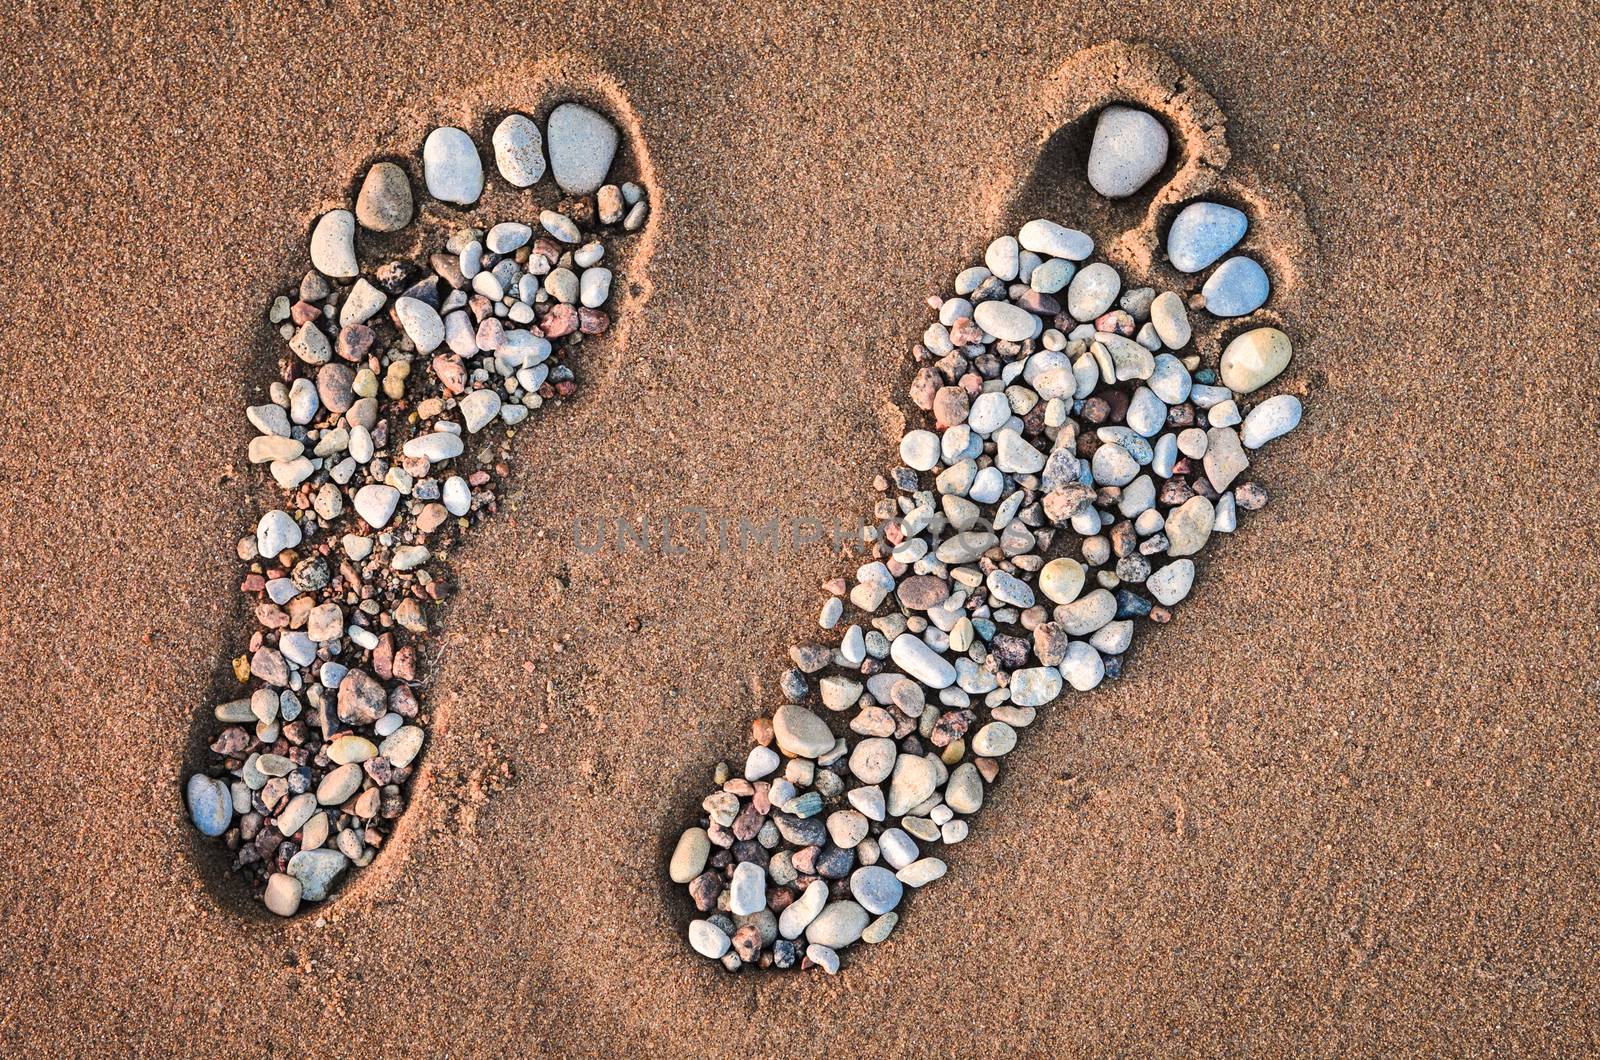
{"points": [[582, 144], [451, 167], [1130, 147]]}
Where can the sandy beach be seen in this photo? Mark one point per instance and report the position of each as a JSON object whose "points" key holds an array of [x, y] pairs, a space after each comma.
{"points": [[1345, 803]]}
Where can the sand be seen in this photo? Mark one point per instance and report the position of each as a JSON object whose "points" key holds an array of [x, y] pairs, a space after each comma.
{"points": [[1344, 803]]}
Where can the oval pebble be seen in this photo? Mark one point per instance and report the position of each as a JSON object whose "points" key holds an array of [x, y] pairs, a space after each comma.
{"points": [[707, 939], [838, 925], [519, 150], [1093, 291], [210, 804], [451, 168], [1238, 288], [1273, 418], [1254, 359], [1171, 583], [876, 889], [1129, 147], [1203, 232], [1005, 321], [382, 205], [994, 739], [1083, 668], [1053, 240], [689, 856], [333, 245], [582, 144]]}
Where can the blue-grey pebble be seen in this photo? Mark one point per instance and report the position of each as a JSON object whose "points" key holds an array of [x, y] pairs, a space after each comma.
{"points": [[210, 804], [1203, 232], [876, 888], [1238, 287]]}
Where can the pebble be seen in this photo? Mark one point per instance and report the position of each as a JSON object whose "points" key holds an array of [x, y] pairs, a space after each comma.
{"points": [[876, 889], [880, 928], [1188, 526], [457, 495], [402, 746], [582, 144], [921, 873], [872, 760], [1254, 359], [1171, 583], [747, 893], [1006, 321], [338, 785], [707, 939], [282, 895], [823, 957], [913, 655], [376, 503], [478, 409], [1087, 614], [560, 226], [421, 322], [1273, 418], [1238, 287], [915, 778], [994, 740], [594, 287], [276, 532], [1203, 232], [384, 202], [435, 447], [519, 150], [898, 848], [963, 792], [333, 245], [799, 914], [689, 856], [317, 870], [1002, 258], [451, 167], [1053, 240], [1034, 687], [1130, 147], [838, 925], [1171, 320], [1015, 455], [311, 345], [920, 450], [1225, 458], [506, 237], [1083, 667], [1062, 579], [210, 804], [801, 733], [1093, 291]]}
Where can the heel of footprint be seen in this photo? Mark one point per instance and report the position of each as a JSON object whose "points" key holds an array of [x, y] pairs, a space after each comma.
{"points": [[1082, 442], [438, 315]]}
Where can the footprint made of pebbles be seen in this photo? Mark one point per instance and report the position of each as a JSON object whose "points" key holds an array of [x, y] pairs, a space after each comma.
{"points": [[1082, 439], [439, 313]]}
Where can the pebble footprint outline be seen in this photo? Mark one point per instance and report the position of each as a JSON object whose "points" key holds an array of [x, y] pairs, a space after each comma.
{"points": [[756, 864], [534, 91]]}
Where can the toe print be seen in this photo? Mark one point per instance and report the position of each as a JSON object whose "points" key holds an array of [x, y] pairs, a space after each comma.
{"points": [[438, 315], [1088, 416]]}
